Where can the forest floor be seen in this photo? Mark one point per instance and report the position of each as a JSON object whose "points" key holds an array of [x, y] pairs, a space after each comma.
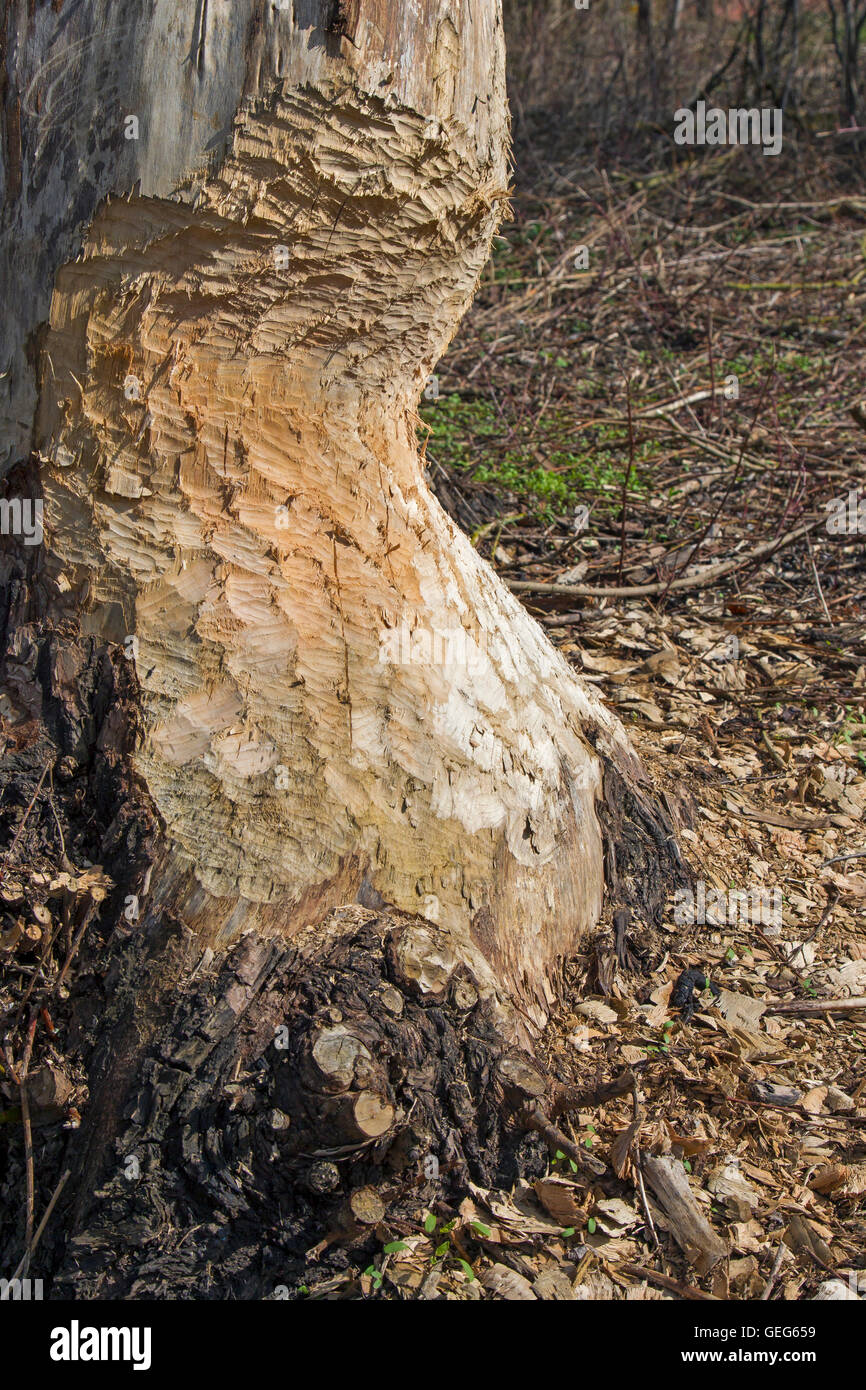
{"points": [[658, 441]]}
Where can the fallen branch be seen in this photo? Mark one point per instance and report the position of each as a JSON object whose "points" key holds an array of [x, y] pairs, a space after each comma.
{"points": [[672, 1285], [818, 1006], [37, 1236], [692, 399], [695, 581], [533, 1117], [572, 1098]]}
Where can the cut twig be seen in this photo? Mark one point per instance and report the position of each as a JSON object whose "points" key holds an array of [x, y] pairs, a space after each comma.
{"points": [[24, 1265], [673, 1285], [30, 1178], [692, 399], [19, 832], [774, 1272]]}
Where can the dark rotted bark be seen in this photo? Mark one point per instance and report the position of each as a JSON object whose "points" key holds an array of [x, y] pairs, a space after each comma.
{"points": [[236, 1159], [642, 856]]}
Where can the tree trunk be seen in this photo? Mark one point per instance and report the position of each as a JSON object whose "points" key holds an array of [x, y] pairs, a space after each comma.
{"points": [[237, 239]]}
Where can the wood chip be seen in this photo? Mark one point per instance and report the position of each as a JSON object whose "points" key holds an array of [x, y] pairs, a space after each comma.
{"points": [[689, 1227], [508, 1284]]}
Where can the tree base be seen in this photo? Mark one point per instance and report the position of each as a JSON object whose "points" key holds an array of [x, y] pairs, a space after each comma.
{"points": [[245, 1155], [249, 1110]]}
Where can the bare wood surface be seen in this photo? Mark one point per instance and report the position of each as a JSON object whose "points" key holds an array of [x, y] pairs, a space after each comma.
{"points": [[689, 1227]]}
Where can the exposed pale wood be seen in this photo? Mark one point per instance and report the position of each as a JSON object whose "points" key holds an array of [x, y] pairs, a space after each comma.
{"points": [[75, 73], [365, 1207], [521, 1080], [372, 1115], [689, 1227], [335, 1053]]}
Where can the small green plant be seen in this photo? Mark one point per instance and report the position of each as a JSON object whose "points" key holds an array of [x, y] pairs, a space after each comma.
{"points": [[375, 1275], [445, 1249]]}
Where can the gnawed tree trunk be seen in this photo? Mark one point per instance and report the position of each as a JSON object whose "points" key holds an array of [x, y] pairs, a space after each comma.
{"points": [[286, 680]]}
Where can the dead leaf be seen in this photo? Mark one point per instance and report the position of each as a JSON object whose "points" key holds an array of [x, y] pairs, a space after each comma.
{"points": [[620, 1149], [615, 1216]]}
